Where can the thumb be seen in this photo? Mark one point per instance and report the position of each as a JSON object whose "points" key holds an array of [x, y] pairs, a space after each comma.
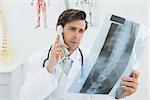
{"points": [[65, 45]]}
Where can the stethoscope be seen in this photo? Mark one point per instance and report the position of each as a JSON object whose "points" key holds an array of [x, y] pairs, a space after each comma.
{"points": [[81, 60]]}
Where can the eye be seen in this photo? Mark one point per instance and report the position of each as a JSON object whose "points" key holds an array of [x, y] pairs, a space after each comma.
{"points": [[81, 31], [72, 29]]}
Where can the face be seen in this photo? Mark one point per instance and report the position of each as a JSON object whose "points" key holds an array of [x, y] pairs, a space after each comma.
{"points": [[73, 33]]}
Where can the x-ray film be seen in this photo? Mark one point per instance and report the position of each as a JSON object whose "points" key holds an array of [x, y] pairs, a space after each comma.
{"points": [[111, 57]]}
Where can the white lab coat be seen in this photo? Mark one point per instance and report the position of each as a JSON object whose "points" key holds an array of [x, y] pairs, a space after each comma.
{"points": [[42, 85]]}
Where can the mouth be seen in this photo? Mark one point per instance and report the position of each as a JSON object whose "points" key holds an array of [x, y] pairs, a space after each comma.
{"points": [[74, 42]]}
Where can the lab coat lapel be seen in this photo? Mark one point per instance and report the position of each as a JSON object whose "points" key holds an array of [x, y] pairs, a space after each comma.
{"points": [[76, 66]]}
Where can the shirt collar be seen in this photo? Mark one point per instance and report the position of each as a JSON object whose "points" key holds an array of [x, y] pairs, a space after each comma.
{"points": [[75, 55]]}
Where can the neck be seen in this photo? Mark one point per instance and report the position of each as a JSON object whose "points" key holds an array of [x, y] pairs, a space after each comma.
{"points": [[70, 51]]}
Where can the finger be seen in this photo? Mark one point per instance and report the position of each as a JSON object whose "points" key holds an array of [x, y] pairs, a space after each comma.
{"points": [[130, 79], [59, 50], [129, 84], [57, 45], [64, 45], [61, 41], [57, 39], [63, 52], [135, 73], [128, 89], [59, 54]]}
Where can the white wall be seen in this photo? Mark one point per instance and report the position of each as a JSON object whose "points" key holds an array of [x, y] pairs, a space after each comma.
{"points": [[21, 19], [149, 48], [25, 40]]}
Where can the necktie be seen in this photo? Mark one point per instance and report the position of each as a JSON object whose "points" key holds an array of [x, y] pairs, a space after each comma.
{"points": [[67, 64]]}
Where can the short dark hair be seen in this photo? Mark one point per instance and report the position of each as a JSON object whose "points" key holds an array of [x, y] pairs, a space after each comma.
{"points": [[70, 15]]}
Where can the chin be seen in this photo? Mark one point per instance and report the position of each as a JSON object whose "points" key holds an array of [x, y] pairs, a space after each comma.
{"points": [[73, 48]]}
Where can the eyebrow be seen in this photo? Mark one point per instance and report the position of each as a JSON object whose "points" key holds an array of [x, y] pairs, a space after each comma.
{"points": [[76, 28]]}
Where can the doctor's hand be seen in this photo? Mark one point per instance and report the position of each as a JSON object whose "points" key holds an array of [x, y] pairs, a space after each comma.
{"points": [[56, 53], [129, 84]]}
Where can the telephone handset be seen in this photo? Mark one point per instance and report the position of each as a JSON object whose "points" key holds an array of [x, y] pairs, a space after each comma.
{"points": [[59, 30]]}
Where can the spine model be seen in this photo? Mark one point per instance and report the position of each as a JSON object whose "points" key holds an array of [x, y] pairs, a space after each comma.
{"points": [[4, 51]]}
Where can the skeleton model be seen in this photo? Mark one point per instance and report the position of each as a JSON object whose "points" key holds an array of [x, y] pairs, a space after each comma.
{"points": [[4, 51], [86, 5], [67, 4], [41, 4]]}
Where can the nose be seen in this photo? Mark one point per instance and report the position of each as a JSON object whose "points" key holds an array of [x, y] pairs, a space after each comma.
{"points": [[76, 34]]}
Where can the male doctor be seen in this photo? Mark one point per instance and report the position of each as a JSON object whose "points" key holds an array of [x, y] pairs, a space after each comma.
{"points": [[49, 80]]}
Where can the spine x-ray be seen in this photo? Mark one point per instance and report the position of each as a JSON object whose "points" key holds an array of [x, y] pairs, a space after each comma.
{"points": [[112, 56]]}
